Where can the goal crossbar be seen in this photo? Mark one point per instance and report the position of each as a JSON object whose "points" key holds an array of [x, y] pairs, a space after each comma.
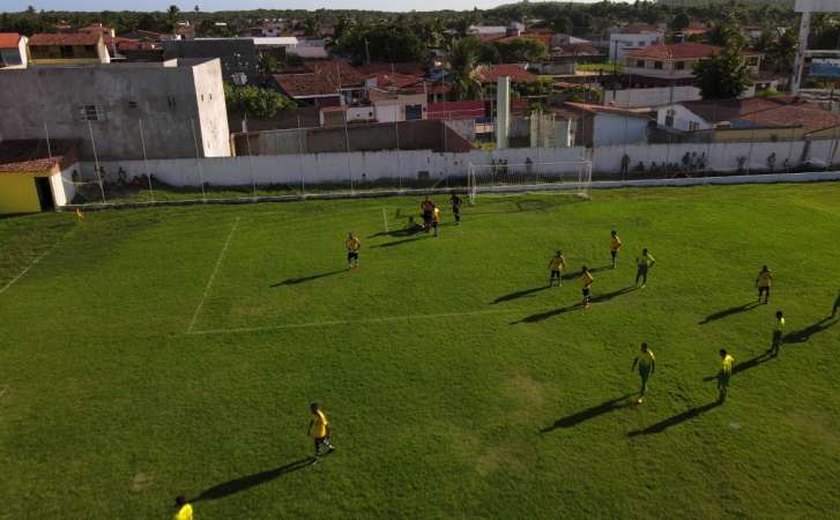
{"points": [[574, 177]]}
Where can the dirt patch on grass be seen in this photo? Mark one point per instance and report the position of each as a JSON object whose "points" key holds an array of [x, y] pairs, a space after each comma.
{"points": [[525, 391], [141, 482]]}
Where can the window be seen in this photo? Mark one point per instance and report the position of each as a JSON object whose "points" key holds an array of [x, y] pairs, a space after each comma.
{"points": [[413, 112], [170, 100], [680, 65], [91, 113], [132, 104], [657, 65], [66, 51], [693, 126], [640, 64], [669, 121]]}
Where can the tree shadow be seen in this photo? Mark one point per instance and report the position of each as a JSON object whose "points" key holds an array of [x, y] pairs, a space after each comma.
{"points": [[590, 413], [562, 310], [803, 335], [403, 241], [687, 415], [728, 312], [242, 483], [295, 281], [519, 294]]}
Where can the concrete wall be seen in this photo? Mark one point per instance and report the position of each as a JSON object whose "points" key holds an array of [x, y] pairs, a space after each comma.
{"points": [[63, 188], [237, 55], [614, 129], [650, 97], [166, 98]]}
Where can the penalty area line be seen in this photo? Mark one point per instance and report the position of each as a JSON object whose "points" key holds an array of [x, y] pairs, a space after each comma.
{"points": [[35, 262], [330, 323], [213, 276]]}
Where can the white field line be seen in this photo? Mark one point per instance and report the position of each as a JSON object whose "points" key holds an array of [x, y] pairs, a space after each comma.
{"points": [[213, 276], [407, 317], [35, 262], [3, 392]]}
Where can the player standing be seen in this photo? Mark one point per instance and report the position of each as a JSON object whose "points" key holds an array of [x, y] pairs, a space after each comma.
{"points": [[586, 281], [725, 374], [763, 281], [615, 245], [427, 207], [322, 430], [778, 334], [353, 244], [643, 265], [456, 207], [183, 510], [556, 267], [436, 220], [647, 365]]}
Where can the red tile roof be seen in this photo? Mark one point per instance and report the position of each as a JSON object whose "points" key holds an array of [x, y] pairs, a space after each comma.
{"points": [[540, 37], [33, 156], [397, 80], [675, 51], [410, 68], [338, 69], [807, 116], [471, 109], [64, 39], [731, 109], [9, 40], [517, 73], [323, 79]]}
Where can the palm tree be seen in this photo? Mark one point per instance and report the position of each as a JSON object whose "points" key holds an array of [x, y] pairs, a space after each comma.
{"points": [[463, 65]]}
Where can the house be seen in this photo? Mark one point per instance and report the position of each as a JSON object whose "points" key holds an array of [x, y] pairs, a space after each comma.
{"points": [[322, 83], [677, 60], [239, 58], [180, 105], [67, 49], [754, 119], [624, 40], [487, 32], [310, 49], [518, 73], [36, 175], [13, 51], [598, 125], [98, 28]]}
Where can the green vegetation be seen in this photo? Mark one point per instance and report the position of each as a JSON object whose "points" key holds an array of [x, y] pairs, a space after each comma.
{"points": [[607, 68], [457, 385], [256, 102]]}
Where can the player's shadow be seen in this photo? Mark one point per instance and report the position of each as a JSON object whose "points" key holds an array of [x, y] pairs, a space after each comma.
{"points": [[242, 483], [562, 310], [519, 294], [302, 279], [405, 240], [576, 274], [753, 362], [398, 233], [803, 335], [687, 415], [728, 312], [576, 418]]}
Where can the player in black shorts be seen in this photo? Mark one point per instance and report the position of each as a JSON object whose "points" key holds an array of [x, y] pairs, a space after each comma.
{"points": [[456, 207]]}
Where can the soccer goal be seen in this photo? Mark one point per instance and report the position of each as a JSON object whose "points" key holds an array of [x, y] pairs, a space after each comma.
{"points": [[572, 177]]}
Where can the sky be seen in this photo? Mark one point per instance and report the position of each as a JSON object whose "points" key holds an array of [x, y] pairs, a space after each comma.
{"points": [[222, 5]]}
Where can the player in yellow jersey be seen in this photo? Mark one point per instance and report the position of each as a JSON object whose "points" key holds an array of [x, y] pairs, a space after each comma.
{"points": [[778, 334], [80, 215], [725, 374], [556, 268], [436, 220], [353, 244], [647, 365], [615, 245], [183, 510], [321, 434], [763, 281], [643, 265], [586, 281]]}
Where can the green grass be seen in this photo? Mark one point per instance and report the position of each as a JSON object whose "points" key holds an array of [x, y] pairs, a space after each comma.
{"points": [[439, 362]]}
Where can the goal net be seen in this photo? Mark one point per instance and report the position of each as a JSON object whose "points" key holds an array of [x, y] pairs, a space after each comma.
{"points": [[572, 177]]}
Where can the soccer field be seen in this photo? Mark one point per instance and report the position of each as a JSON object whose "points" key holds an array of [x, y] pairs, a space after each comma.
{"points": [[150, 353]]}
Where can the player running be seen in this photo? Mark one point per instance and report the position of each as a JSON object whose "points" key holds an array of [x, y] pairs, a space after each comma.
{"points": [[763, 281], [456, 207], [586, 281], [725, 374], [183, 510], [557, 266], [427, 207], [353, 244], [778, 334], [643, 264], [322, 431], [615, 245], [647, 365]]}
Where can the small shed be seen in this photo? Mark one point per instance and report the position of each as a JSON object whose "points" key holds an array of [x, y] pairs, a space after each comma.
{"points": [[36, 175]]}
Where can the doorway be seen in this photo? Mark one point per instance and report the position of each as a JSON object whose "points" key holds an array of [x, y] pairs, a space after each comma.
{"points": [[45, 195]]}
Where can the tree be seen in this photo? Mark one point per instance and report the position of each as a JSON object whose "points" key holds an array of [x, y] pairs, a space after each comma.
{"points": [[383, 42], [172, 18], [463, 61], [723, 76], [522, 49], [680, 22], [255, 102], [562, 24]]}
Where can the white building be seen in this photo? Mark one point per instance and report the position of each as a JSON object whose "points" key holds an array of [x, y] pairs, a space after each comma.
{"points": [[13, 51], [627, 39]]}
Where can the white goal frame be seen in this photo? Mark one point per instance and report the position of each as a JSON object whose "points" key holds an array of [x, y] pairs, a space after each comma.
{"points": [[571, 177]]}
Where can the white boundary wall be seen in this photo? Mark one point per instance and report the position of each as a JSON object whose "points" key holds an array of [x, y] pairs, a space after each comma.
{"points": [[372, 166]]}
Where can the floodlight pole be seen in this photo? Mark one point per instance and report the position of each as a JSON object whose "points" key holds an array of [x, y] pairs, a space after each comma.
{"points": [[799, 63], [96, 161]]}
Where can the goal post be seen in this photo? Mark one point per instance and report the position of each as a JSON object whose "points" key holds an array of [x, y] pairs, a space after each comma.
{"points": [[571, 177]]}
